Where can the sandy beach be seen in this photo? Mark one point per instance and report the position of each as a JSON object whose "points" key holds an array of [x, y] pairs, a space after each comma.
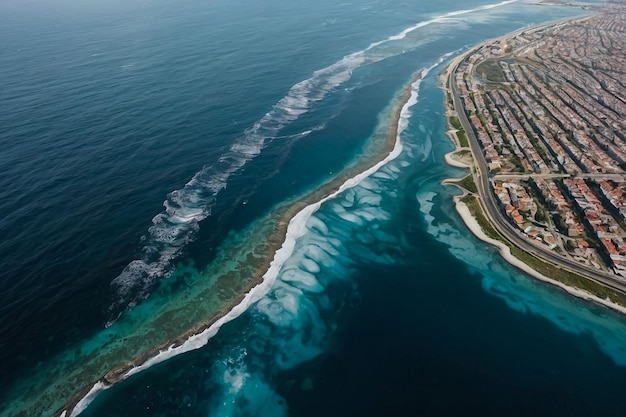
{"points": [[505, 252]]}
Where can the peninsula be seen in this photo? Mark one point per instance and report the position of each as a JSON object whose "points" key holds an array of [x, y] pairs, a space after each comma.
{"points": [[543, 113]]}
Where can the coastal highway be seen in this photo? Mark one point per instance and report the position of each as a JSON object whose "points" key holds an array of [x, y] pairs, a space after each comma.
{"points": [[495, 215]]}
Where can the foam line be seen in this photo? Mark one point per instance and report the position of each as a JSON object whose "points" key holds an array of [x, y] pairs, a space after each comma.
{"points": [[86, 400], [296, 229], [172, 229], [436, 19]]}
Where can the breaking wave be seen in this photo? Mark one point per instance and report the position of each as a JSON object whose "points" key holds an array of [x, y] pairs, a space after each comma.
{"points": [[292, 298], [173, 228]]}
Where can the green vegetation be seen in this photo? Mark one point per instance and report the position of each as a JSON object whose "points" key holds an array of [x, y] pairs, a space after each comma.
{"points": [[460, 134], [541, 216], [537, 195], [455, 122], [477, 212], [545, 268], [462, 138], [491, 70], [570, 245], [469, 184], [559, 221], [569, 278], [517, 162]]}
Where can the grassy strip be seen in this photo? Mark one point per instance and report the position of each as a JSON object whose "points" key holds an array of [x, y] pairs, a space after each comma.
{"points": [[477, 212], [461, 135], [462, 138], [455, 122], [569, 278], [469, 184], [552, 271]]}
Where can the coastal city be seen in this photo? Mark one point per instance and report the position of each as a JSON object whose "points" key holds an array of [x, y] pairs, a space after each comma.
{"points": [[287, 209], [546, 110]]}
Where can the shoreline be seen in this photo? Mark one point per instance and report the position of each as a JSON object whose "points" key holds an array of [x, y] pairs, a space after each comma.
{"points": [[279, 240], [472, 224], [463, 210], [278, 222]]}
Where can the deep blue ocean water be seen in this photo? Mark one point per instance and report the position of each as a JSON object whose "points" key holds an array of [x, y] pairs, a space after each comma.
{"points": [[224, 110]]}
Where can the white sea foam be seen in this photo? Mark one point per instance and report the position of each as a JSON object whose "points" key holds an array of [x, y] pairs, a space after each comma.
{"points": [[172, 229], [87, 399], [184, 208], [233, 377], [296, 229], [370, 200], [382, 175], [314, 252], [348, 198], [315, 223], [303, 280], [327, 247], [289, 295], [393, 168], [350, 217], [369, 185], [310, 266], [373, 213]]}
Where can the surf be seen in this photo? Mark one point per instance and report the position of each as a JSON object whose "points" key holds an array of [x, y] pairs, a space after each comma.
{"points": [[302, 278], [186, 207]]}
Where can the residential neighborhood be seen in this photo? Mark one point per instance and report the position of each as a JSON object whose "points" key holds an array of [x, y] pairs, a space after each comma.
{"points": [[548, 108]]}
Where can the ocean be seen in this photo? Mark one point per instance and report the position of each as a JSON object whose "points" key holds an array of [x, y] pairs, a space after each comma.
{"points": [[152, 155]]}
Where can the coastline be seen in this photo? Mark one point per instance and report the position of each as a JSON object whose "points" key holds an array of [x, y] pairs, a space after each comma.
{"points": [[472, 224], [287, 229], [463, 210], [245, 246]]}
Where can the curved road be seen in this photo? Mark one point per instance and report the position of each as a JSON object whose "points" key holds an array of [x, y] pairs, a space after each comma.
{"points": [[495, 216]]}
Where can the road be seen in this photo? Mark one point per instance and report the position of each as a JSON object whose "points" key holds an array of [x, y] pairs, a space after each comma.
{"points": [[581, 175], [495, 215]]}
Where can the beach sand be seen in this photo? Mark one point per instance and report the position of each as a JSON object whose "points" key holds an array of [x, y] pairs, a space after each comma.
{"points": [[505, 252]]}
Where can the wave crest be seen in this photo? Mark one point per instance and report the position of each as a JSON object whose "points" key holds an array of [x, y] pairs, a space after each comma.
{"points": [[186, 207]]}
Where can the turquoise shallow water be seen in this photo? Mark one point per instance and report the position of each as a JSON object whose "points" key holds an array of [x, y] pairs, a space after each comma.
{"points": [[386, 295]]}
